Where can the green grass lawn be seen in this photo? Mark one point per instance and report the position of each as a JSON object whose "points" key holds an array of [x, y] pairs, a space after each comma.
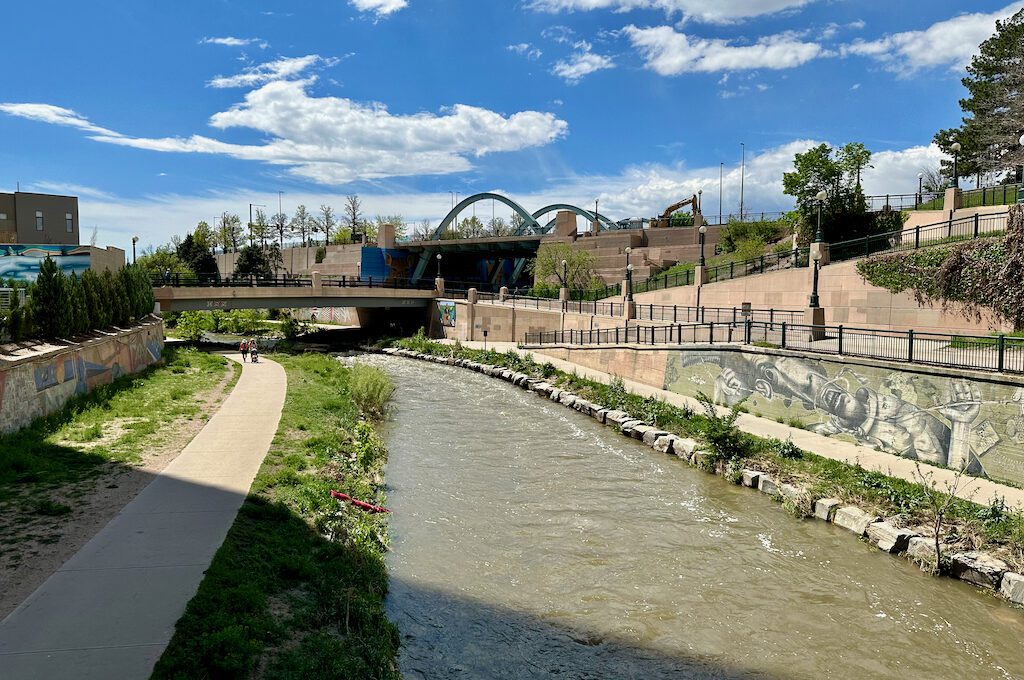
{"points": [[114, 422], [297, 589]]}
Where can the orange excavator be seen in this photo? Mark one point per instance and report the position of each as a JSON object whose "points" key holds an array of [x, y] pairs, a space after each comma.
{"points": [[666, 217]]}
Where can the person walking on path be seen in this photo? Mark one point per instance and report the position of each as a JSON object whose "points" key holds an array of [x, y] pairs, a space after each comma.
{"points": [[254, 350], [243, 347]]}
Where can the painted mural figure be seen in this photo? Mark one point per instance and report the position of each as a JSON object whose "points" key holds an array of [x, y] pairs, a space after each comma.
{"points": [[867, 415]]}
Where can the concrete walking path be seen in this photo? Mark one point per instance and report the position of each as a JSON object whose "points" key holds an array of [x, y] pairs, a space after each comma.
{"points": [[110, 611], [971, 488]]}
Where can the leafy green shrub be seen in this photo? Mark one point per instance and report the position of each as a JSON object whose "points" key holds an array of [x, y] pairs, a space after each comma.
{"points": [[192, 325], [371, 390], [720, 432], [786, 449]]}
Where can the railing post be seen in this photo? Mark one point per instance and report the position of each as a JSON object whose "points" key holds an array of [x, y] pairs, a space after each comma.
{"points": [[910, 346], [748, 328], [1002, 353], [840, 338], [679, 334], [771, 315], [949, 225], [783, 335], [734, 315], [917, 237], [976, 224], [711, 333], [675, 313]]}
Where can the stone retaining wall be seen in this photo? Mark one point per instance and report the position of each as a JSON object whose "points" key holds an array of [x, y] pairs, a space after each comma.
{"points": [[978, 568], [40, 383]]}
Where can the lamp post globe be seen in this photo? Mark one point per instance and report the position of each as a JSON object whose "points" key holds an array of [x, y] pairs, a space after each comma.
{"points": [[565, 273], [820, 197], [955, 148], [439, 265], [135, 239], [629, 283]]}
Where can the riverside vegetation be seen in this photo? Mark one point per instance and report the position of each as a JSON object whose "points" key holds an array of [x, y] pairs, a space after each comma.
{"points": [[297, 588], [965, 525]]}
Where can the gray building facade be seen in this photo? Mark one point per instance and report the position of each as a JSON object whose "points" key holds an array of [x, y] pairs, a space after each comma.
{"points": [[27, 218]]}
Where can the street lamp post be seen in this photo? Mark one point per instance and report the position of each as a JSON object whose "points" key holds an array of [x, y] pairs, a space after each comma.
{"points": [[135, 239], [813, 301], [955, 148], [702, 230], [920, 188], [565, 273], [743, 172], [721, 176], [439, 265], [629, 283], [820, 197]]}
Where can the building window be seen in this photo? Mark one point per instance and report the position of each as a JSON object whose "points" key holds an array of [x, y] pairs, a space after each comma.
{"points": [[3, 216], [69, 222], [39, 220]]}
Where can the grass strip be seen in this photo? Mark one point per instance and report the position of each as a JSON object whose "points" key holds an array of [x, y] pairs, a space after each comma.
{"points": [[112, 423], [972, 526], [297, 589]]}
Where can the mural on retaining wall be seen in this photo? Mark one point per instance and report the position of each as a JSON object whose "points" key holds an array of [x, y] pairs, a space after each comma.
{"points": [[446, 313], [21, 262], [36, 388], [945, 421], [339, 315]]}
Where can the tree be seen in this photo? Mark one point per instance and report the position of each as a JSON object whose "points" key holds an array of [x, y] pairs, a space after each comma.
{"points": [[204, 236], [98, 305], [844, 214], [80, 320], [422, 230], [353, 213], [397, 221], [280, 221], [156, 262], [471, 227], [195, 257], [302, 224], [518, 223], [325, 222], [994, 107], [548, 265], [253, 261], [229, 232], [50, 306], [934, 181], [968, 159], [260, 230], [853, 158], [497, 226]]}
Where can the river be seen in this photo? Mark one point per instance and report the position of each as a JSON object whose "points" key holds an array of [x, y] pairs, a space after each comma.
{"points": [[528, 541]]}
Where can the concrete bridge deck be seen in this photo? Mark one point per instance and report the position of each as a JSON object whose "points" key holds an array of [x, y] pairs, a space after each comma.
{"points": [[310, 294]]}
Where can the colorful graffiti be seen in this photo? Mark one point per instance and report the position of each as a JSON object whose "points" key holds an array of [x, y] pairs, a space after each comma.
{"points": [[944, 421], [21, 262], [34, 388], [446, 313]]}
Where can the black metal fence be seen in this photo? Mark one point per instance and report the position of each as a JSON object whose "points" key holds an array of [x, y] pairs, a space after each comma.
{"points": [[1000, 353], [949, 231], [299, 281], [682, 314]]}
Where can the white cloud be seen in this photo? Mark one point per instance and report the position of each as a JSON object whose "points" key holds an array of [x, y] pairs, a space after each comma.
{"points": [[559, 34], [949, 43], [230, 41], [716, 11], [381, 8], [525, 49], [581, 63], [280, 69], [670, 53], [332, 140]]}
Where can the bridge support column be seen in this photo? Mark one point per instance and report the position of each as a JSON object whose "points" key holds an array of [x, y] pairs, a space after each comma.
{"points": [[628, 306], [952, 200], [815, 318], [502, 293], [317, 280]]}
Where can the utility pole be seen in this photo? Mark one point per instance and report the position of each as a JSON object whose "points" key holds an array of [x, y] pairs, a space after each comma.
{"points": [[721, 176], [743, 169]]}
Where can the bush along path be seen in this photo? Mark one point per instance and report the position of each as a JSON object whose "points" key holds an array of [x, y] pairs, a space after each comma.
{"points": [[297, 588], [983, 545], [64, 476]]}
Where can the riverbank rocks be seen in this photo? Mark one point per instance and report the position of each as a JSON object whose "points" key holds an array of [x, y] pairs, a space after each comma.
{"points": [[665, 443], [684, 446], [889, 538], [766, 484], [627, 427], [567, 399], [825, 508], [921, 549], [599, 413], [648, 434], [1012, 587], [617, 417], [853, 519], [750, 478], [793, 493], [978, 568]]}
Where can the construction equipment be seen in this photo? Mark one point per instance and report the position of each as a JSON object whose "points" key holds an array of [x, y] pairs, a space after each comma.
{"points": [[666, 217]]}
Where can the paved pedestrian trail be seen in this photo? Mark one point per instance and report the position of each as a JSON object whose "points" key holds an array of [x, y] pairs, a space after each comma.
{"points": [[110, 611]]}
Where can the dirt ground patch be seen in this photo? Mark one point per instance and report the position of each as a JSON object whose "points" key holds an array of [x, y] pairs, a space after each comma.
{"points": [[40, 531]]}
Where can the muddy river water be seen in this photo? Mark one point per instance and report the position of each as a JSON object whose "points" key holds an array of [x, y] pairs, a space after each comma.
{"points": [[528, 541]]}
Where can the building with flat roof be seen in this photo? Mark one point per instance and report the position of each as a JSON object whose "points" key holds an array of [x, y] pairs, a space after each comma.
{"points": [[28, 218]]}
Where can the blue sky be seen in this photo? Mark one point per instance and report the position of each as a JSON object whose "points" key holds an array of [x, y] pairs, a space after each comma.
{"points": [[161, 114]]}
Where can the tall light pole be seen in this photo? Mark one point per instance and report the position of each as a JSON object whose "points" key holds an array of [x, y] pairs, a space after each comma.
{"points": [[593, 228], [629, 283], [565, 273], [920, 188], [820, 197], [743, 172], [721, 177], [955, 148], [439, 265], [812, 302], [703, 230], [135, 239]]}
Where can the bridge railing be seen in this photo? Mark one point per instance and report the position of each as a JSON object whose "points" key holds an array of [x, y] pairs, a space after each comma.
{"points": [[299, 281], [999, 353]]}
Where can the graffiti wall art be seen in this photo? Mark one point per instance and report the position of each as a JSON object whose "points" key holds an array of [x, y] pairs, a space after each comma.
{"points": [[940, 420], [446, 313], [21, 262]]}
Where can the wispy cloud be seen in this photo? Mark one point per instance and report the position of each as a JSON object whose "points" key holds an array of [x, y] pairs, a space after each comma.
{"points": [[381, 8], [526, 49], [279, 69], [581, 63], [950, 43], [230, 41], [711, 11]]}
